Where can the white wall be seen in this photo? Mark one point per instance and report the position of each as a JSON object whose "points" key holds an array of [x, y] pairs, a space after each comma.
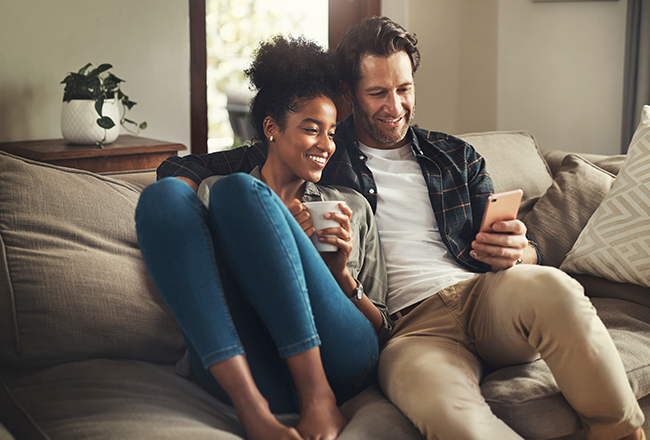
{"points": [[561, 72], [456, 83], [146, 41], [555, 69]]}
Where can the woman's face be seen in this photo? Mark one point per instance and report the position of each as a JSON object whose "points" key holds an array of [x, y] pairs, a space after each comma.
{"points": [[305, 145]]}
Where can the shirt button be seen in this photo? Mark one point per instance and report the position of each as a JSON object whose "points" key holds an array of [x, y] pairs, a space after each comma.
{"points": [[362, 157], [371, 191]]}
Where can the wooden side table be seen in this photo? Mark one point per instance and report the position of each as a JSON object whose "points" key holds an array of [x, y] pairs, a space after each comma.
{"points": [[124, 154]]}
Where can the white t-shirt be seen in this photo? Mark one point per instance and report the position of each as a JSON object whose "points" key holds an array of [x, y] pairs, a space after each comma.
{"points": [[417, 261]]}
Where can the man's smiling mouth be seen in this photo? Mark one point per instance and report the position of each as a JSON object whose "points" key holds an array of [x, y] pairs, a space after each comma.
{"points": [[391, 121]]}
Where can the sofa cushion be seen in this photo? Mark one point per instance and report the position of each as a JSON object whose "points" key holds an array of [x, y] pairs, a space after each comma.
{"points": [[615, 244], [597, 287], [562, 212], [527, 398], [513, 161], [124, 399], [72, 281]]}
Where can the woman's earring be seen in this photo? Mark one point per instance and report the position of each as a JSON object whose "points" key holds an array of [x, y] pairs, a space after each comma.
{"points": [[271, 139]]}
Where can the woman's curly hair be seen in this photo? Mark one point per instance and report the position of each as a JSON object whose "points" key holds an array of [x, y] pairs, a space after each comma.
{"points": [[286, 72]]}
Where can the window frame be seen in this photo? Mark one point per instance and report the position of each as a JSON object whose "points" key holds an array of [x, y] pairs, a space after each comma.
{"points": [[342, 15]]}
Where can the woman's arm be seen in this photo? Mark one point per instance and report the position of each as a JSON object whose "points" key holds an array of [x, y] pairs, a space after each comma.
{"points": [[341, 237]]}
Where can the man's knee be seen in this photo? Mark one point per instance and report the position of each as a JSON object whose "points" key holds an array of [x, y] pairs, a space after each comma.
{"points": [[542, 287]]}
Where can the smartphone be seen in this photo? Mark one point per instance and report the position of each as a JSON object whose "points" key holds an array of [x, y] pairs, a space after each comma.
{"points": [[501, 207]]}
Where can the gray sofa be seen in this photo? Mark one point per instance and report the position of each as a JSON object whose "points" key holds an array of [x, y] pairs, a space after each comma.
{"points": [[87, 348]]}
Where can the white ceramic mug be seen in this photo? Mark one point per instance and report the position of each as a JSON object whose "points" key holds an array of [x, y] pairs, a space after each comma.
{"points": [[317, 211]]}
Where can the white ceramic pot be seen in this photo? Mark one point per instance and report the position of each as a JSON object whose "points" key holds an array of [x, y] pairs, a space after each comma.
{"points": [[79, 121]]}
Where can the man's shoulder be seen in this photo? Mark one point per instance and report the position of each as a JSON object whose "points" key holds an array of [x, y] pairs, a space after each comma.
{"points": [[438, 138], [432, 142]]}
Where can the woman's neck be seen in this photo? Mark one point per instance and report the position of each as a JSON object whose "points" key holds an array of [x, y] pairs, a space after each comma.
{"points": [[287, 187]]}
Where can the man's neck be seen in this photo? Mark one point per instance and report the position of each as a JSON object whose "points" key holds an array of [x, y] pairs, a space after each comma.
{"points": [[371, 142]]}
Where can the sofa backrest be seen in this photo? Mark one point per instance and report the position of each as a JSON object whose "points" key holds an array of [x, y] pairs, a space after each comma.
{"points": [[514, 161], [72, 282]]}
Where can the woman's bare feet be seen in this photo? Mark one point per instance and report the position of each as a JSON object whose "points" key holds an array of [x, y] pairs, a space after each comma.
{"points": [[261, 424], [321, 419], [251, 407]]}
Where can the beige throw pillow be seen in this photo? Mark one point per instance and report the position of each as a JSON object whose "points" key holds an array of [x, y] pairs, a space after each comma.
{"points": [[615, 244], [72, 281], [562, 212]]}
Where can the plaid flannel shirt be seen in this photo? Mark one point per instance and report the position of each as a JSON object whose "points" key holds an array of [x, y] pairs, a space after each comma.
{"points": [[455, 174]]}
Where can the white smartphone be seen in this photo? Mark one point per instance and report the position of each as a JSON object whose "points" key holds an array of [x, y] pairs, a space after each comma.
{"points": [[501, 207]]}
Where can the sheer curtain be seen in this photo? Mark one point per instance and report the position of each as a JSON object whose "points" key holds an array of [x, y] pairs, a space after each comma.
{"points": [[637, 67]]}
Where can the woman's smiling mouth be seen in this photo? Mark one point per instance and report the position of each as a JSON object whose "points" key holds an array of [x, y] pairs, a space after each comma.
{"points": [[320, 160]]}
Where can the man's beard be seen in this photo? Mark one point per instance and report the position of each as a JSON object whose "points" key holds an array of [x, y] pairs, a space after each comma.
{"points": [[366, 122]]}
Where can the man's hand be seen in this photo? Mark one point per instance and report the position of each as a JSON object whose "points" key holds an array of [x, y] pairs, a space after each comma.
{"points": [[190, 182], [504, 247], [300, 213]]}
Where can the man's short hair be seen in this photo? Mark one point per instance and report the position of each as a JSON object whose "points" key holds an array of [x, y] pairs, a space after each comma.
{"points": [[377, 36]]}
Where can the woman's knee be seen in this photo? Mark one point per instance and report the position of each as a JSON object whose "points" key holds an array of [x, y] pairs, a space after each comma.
{"points": [[165, 202], [234, 190], [165, 192]]}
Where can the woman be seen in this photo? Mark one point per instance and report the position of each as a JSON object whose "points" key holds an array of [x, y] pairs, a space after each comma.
{"points": [[269, 323]]}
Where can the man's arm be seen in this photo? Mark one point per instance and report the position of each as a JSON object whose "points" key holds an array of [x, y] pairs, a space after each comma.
{"points": [[190, 182], [195, 168]]}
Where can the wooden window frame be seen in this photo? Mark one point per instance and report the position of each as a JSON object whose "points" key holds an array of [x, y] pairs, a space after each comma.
{"points": [[342, 14]]}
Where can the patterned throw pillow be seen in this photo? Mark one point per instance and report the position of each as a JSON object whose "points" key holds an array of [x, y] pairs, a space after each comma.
{"points": [[615, 244]]}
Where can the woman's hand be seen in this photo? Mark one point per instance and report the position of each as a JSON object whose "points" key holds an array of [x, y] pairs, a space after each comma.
{"points": [[341, 237], [300, 213]]}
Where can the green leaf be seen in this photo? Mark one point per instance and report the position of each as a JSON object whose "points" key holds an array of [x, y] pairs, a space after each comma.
{"points": [[127, 103], [109, 84], [142, 126], [105, 122], [99, 104], [94, 87], [114, 78], [82, 71], [130, 121], [100, 69], [67, 79]]}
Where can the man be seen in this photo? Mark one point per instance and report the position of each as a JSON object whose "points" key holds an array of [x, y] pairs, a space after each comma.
{"points": [[428, 191], [458, 297]]}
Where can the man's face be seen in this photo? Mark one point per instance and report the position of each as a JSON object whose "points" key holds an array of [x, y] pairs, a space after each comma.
{"points": [[383, 101]]}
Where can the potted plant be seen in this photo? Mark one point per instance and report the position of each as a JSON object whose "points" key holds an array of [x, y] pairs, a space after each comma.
{"points": [[89, 94]]}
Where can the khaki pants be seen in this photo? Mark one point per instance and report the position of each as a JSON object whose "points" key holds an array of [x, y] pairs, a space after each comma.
{"points": [[431, 366]]}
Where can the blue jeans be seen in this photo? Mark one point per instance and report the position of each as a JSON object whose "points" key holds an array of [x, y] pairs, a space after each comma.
{"points": [[243, 278]]}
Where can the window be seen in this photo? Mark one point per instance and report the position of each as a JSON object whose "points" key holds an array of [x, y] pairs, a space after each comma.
{"points": [[234, 29], [340, 15]]}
